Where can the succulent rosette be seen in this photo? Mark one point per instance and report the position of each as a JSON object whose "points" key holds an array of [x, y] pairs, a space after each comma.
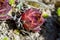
{"points": [[4, 9], [32, 20]]}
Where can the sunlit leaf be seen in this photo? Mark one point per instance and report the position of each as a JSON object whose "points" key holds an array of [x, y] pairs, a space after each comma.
{"points": [[11, 2], [5, 38], [58, 11]]}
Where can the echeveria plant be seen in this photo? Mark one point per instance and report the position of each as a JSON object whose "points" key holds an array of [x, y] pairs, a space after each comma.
{"points": [[32, 20]]}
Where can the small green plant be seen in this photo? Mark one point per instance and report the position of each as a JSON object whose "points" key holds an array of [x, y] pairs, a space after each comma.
{"points": [[45, 15]]}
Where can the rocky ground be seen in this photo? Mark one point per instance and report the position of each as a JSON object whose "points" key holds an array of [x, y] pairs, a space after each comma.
{"points": [[7, 34], [48, 32]]}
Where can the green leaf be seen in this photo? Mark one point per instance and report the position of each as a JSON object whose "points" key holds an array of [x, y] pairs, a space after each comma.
{"points": [[11, 2], [58, 11]]}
